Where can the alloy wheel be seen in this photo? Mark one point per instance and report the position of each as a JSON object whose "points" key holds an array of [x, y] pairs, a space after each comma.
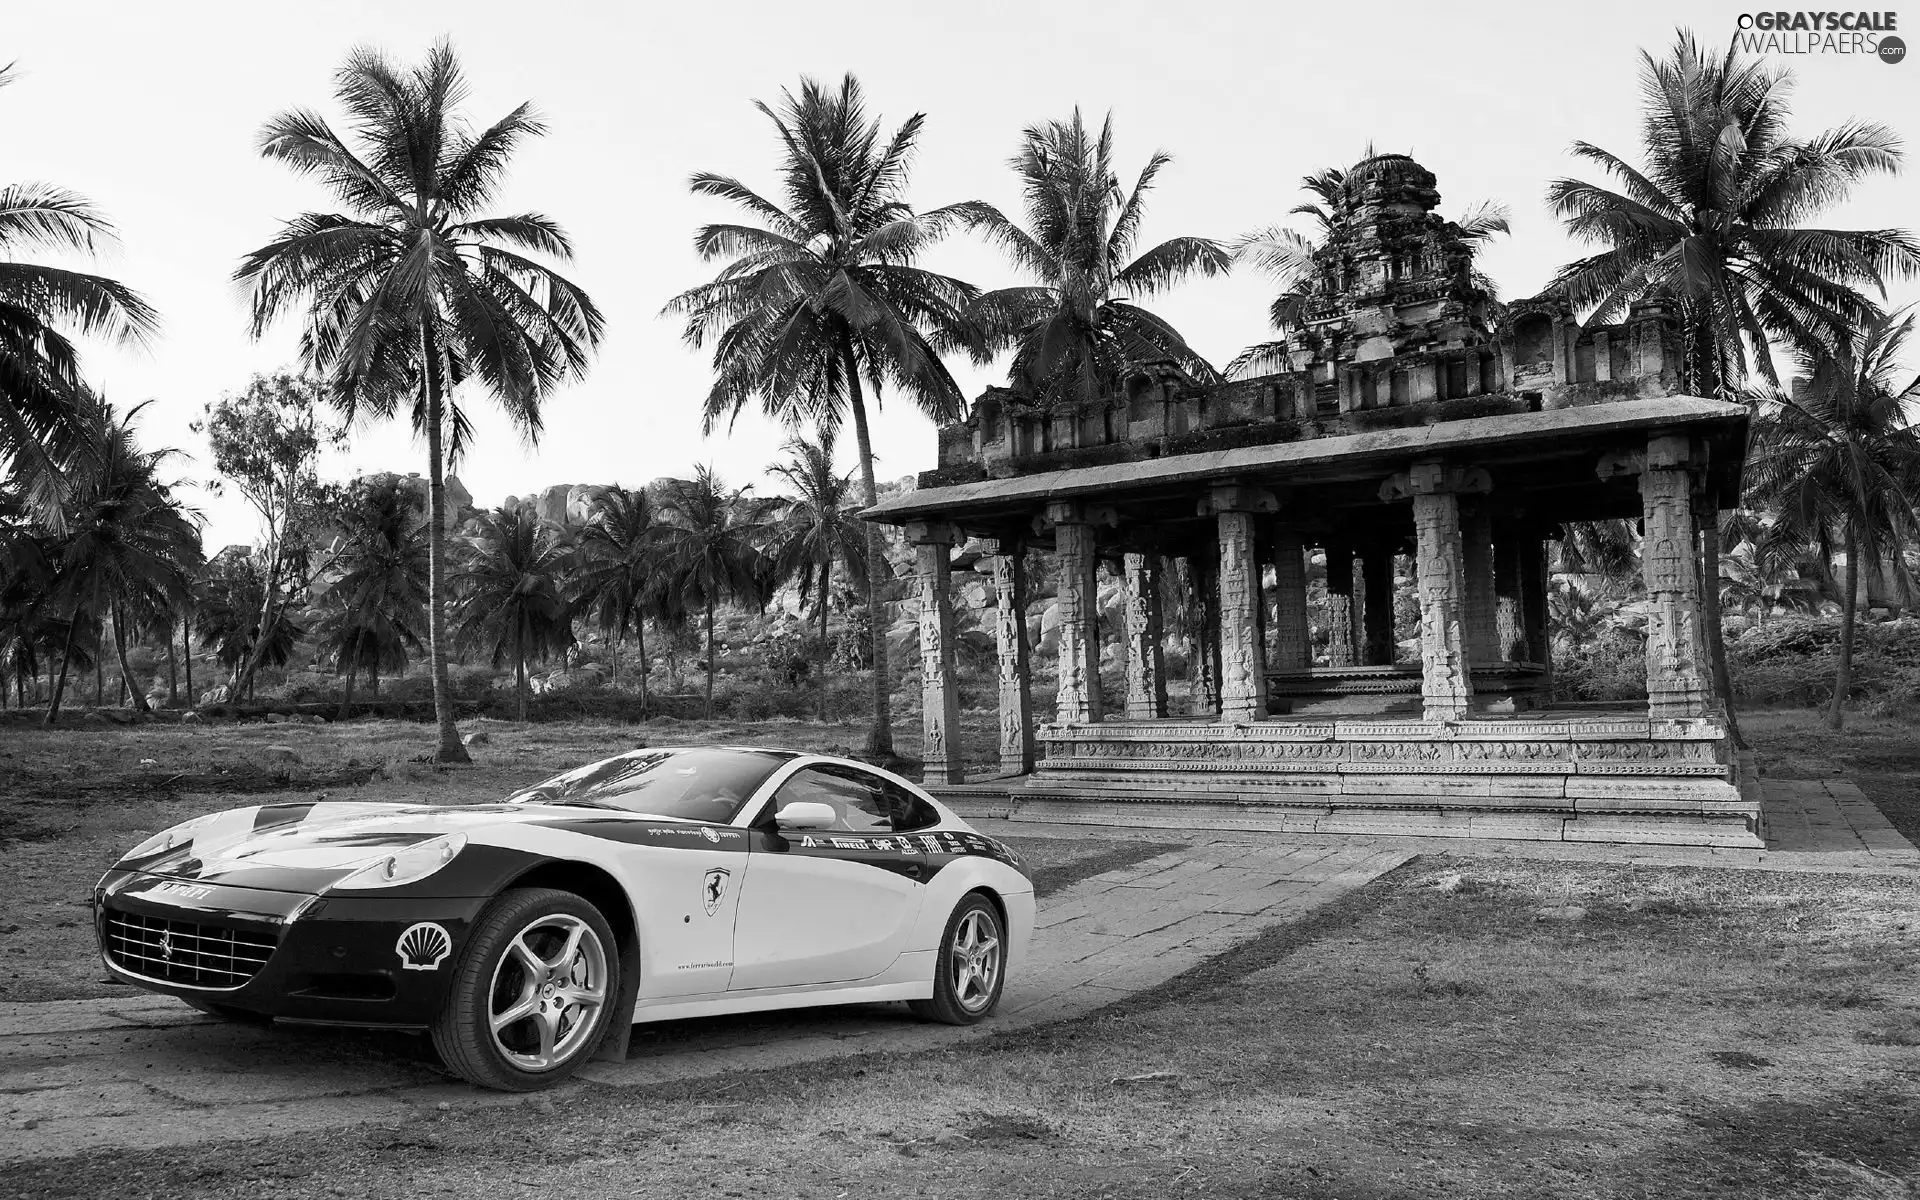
{"points": [[548, 989]]}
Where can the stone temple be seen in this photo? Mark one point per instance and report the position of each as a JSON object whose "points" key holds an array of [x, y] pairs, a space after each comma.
{"points": [[1414, 422]]}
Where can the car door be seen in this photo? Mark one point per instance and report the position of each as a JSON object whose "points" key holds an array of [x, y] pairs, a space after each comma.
{"points": [[830, 905]]}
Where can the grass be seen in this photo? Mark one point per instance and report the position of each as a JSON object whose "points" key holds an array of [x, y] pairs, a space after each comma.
{"points": [[1880, 754], [1484, 1028]]}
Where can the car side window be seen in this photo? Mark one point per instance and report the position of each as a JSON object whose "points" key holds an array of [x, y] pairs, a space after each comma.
{"points": [[862, 802], [908, 811]]}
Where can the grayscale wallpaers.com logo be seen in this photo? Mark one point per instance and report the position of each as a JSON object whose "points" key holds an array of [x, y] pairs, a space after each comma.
{"points": [[1821, 33]]}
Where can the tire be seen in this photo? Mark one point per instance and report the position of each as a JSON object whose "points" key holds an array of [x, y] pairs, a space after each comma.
{"points": [[971, 969], [548, 956]]}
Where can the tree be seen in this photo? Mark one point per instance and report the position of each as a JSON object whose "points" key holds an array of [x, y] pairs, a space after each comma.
{"points": [[378, 601], [1076, 334], [266, 444], [816, 527], [619, 580], [1715, 223], [1837, 457], [129, 547], [226, 603], [823, 293], [40, 390], [1305, 265], [714, 540], [512, 591], [414, 290]]}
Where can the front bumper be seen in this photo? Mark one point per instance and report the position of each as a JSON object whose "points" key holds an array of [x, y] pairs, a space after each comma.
{"points": [[332, 959]]}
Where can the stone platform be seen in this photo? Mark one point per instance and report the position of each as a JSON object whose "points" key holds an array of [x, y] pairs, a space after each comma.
{"points": [[1556, 776]]}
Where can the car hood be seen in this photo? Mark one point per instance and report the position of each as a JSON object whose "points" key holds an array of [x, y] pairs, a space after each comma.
{"points": [[308, 847]]}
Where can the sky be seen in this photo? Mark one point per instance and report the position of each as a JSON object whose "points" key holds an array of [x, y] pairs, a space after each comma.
{"points": [[152, 111]]}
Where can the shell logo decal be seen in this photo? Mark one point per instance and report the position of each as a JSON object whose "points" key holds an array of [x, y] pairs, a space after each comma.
{"points": [[423, 947]]}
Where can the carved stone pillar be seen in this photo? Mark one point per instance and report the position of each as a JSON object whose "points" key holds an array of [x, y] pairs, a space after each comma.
{"points": [[1009, 567], [1376, 568], [1476, 546], [939, 687], [1292, 638], [1340, 606], [1079, 694], [1146, 662], [1509, 626], [1446, 687], [1197, 580], [1677, 677], [1243, 670], [1535, 580]]}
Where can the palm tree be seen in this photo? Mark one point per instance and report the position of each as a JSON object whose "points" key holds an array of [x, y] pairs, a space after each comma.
{"points": [[1714, 222], [619, 579], [513, 592], [1300, 263], [40, 389], [130, 547], [1077, 333], [816, 527], [1837, 457], [714, 540], [823, 293], [414, 290], [378, 601]]}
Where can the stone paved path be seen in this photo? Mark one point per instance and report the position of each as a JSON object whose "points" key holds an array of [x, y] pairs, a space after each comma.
{"points": [[143, 1071]]}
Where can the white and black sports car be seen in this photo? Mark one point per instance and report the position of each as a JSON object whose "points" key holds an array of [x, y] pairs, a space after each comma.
{"points": [[524, 934]]}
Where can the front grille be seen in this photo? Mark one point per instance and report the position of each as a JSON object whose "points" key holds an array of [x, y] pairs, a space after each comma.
{"points": [[185, 952]]}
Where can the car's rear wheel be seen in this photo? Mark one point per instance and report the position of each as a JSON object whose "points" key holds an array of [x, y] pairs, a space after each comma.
{"points": [[534, 992], [971, 968]]}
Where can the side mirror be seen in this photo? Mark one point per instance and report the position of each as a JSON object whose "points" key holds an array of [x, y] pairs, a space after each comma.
{"points": [[807, 814]]}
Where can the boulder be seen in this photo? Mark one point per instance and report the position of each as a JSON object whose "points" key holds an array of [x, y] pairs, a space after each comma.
{"points": [[190, 718], [552, 507]]}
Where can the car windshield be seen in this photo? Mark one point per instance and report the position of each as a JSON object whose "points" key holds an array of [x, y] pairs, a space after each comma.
{"points": [[692, 785]]}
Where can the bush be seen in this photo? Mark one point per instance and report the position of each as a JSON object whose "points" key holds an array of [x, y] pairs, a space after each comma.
{"points": [[1795, 660]]}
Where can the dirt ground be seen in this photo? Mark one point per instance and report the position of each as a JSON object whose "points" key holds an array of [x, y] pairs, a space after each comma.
{"points": [[1461, 1027]]}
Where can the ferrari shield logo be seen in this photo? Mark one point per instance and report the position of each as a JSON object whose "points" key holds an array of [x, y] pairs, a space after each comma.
{"points": [[715, 888]]}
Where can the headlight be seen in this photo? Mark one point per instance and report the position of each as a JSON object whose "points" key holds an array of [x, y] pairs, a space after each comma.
{"points": [[167, 839], [414, 863]]}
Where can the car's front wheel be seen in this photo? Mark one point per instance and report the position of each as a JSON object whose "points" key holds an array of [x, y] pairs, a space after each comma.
{"points": [[533, 994], [971, 968]]}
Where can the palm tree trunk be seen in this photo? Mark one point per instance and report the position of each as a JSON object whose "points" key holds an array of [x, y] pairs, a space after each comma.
{"points": [[826, 573], [1716, 632], [66, 660], [1850, 591], [520, 668], [880, 736], [640, 644], [449, 750], [710, 662], [353, 669], [136, 695], [99, 668], [173, 675], [186, 652]]}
